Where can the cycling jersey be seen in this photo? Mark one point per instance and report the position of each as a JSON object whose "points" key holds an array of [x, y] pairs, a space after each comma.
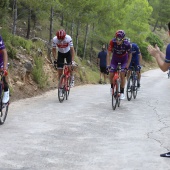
{"points": [[119, 50], [2, 46], [167, 57], [63, 45], [120, 53], [135, 56]]}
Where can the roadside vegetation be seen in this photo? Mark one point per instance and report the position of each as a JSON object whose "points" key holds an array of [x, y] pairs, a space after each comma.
{"points": [[90, 23]]}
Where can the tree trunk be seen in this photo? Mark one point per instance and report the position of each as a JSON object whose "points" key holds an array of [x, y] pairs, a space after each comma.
{"points": [[156, 24], [91, 48], [72, 29], [51, 24], [62, 19], [85, 41], [29, 23], [77, 36], [14, 17]]}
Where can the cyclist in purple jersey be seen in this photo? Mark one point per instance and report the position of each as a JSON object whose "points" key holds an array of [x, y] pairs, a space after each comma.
{"points": [[4, 67], [121, 50], [163, 61]]}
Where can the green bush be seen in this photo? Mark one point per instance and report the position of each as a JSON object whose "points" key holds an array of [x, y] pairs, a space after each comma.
{"points": [[11, 52], [143, 48], [154, 39], [17, 41], [38, 73]]}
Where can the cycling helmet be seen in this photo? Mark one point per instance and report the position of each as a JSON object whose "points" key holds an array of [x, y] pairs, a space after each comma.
{"points": [[120, 34], [61, 34]]}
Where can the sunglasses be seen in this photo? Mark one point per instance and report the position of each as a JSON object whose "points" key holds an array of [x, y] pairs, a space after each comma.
{"points": [[119, 39]]}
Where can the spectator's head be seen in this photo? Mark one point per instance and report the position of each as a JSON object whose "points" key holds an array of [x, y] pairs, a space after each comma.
{"points": [[169, 28], [61, 34], [103, 47]]}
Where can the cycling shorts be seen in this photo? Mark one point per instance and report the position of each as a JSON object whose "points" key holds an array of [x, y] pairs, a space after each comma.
{"points": [[2, 66], [115, 60], [134, 64], [61, 57]]}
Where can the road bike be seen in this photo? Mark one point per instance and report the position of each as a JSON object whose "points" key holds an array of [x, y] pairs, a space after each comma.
{"points": [[132, 84], [168, 73], [3, 106], [64, 83], [116, 87]]}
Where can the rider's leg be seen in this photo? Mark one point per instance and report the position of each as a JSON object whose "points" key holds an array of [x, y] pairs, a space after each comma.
{"points": [[111, 81], [6, 90], [139, 77], [123, 81]]}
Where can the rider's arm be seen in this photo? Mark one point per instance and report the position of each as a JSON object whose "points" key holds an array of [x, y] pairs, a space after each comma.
{"points": [[108, 57], [54, 52], [163, 62], [5, 58], [109, 52], [54, 48], [129, 59], [140, 59], [72, 52]]}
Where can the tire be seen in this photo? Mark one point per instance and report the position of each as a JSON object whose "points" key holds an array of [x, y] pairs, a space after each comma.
{"points": [[3, 111], [118, 94], [68, 87], [129, 88], [61, 89], [114, 96], [135, 88]]}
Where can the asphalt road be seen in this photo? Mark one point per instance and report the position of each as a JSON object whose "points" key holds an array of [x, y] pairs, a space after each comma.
{"points": [[84, 133]]}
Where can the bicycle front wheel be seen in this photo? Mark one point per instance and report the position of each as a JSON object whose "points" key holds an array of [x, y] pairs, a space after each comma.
{"points": [[3, 112], [135, 88], [68, 87], [61, 88], [129, 88], [114, 96]]}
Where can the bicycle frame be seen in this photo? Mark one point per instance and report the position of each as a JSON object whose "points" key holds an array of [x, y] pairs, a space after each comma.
{"points": [[64, 83], [116, 88], [132, 84]]}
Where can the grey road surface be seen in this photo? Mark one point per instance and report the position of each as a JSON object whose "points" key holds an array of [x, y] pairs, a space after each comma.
{"points": [[84, 133]]}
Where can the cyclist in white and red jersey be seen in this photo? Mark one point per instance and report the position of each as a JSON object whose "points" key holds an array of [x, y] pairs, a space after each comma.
{"points": [[65, 48]]}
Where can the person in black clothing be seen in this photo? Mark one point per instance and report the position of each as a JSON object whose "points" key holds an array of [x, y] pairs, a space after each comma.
{"points": [[101, 61]]}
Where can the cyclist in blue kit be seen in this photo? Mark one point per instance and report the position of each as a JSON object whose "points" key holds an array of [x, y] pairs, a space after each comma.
{"points": [[135, 62], [4, 67]]}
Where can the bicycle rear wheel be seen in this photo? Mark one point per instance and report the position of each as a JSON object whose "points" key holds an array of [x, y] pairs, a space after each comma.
{"points": [[61, 88], [129, 88], [114, 96], [3, 111], [68, 87], [135, 88]]}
